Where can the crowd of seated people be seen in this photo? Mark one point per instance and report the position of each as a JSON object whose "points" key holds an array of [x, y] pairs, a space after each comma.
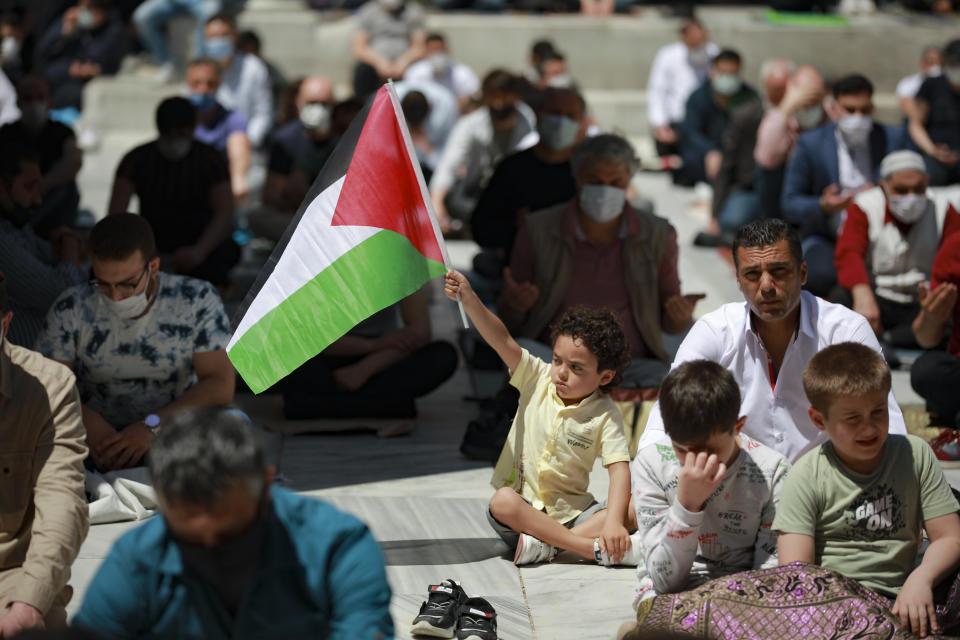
{"points": [[776, 412]]}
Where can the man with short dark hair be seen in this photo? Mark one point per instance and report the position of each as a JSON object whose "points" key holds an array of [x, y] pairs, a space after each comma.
{"points": [[389, 38], [43, 511], [707, 115], [439, 67], [934, 119], [37, 270], [143, 343], [478, 141], [829, 166], [234, 555], [183, 188], [767, 340]]}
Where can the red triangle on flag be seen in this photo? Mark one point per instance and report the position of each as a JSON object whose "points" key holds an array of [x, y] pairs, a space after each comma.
{"points": [[381, 188]]}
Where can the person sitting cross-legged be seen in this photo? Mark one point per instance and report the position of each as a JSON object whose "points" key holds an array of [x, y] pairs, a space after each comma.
{"points": [[234, 555], [564, 423], [143, 343]]}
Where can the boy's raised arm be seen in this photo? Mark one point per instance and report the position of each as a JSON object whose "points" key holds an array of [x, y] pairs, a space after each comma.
{"points": [[494, 332], [914, 604]]}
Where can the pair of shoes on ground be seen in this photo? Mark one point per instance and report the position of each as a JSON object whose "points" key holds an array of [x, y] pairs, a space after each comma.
{"points": [[946, 447], [530, 550], [449, 612]]}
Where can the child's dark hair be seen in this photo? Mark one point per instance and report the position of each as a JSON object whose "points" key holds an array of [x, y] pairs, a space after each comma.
{"points": [[601, 333], [698, 399], [844, 369]]}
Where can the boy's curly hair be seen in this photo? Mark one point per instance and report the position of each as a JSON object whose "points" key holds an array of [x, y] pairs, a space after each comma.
{"points": [[601, 333]]}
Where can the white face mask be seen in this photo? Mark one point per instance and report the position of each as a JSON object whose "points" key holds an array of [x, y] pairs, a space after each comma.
{"points": [[128, 307], [316, 117], [909, 207], [601, 202], [698, 57], [440, 61], [953, 75], [855, 128], [557, 132], [933, 71], [726, 84], [809, 117], [9, 49]]}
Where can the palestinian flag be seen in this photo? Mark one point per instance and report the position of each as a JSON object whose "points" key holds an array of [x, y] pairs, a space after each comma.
{"points": [[364, 238]]}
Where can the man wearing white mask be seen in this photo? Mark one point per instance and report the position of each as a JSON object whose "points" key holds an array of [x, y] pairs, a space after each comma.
{"points": [[535, 178], [886, 248], [931, 66], [934, 119], [829, 166], [677, 70], [708, 114], [439, 67], [597, 250], [143, 343], [244, 81]]}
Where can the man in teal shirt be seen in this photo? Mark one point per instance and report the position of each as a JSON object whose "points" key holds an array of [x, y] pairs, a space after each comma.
{"points": [[232, 557]]}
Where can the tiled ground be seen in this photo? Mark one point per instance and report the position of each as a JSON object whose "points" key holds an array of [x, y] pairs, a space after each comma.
{"points": [[425, 503]]}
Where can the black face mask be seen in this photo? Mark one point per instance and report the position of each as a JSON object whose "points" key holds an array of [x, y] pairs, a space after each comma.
{"points": [[228, 567], [502, 113]]}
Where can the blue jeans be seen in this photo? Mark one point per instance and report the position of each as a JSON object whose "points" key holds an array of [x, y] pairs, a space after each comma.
{"points": [[738, 209], [152, 16], [821, 274]]}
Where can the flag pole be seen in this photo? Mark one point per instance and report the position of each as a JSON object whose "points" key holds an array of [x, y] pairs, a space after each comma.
{"points": [[424, 192]]}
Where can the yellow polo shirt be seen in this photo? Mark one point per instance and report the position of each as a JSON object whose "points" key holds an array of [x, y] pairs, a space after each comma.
{"points": [[559, 443]]}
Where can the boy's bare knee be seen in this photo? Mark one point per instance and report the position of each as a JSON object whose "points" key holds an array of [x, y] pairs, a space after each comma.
{"points": [[505, 502]]}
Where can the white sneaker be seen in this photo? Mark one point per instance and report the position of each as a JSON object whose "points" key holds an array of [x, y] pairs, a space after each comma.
{"points": [[631, 558], [166, 73], [531, 551]]}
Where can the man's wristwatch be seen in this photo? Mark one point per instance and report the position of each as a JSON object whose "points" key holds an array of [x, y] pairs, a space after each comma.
{"points": [[153, 423]]}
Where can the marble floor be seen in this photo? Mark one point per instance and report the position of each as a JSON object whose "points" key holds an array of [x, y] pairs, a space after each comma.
{"points": [[426, 503]]}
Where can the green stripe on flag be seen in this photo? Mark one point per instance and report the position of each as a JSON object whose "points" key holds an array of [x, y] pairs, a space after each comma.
{"points": [[387, 268]]}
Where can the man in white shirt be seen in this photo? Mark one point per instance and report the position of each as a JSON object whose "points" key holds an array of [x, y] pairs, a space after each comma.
{"points": [[478, 141], [440, 68], [766, 341], [244, 81], [931, 63], [9, 111], [677, 70]]}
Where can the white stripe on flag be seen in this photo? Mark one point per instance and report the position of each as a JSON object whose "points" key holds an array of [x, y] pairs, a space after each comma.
{"points": [[313, 247]]}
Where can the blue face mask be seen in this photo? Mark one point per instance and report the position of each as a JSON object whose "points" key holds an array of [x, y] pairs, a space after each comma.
{"points": [[203, 101], [219, 49]]}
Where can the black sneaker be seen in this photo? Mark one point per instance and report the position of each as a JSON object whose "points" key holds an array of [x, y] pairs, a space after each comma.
{"points": [[438, 615], [478, 620]]}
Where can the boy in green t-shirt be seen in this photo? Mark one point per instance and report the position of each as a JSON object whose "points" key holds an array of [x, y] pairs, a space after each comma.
{"points": [[857, 503]]}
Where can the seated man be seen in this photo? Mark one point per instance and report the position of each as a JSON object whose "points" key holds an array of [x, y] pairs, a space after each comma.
{"points": [[736, 196], [931, 66], [234, 552], [184, 193], [151, 19], [43, 514], [934, 119], [225, 131], [598, 251], [477, 143], [86, 42], [935, 375], [708, 114], [859, 503], [375, 371], [143, 343], [310, 131], [766, 340], [60, 159], [677, 70], [829, 165], [389, 38], [430, 118], [244, 81], [886, 248], [37, 270], [439, 67], [532, 179]]}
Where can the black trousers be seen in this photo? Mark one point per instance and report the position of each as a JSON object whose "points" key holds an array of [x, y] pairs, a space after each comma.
{"points": [[936, 376], [896, 318], [310, 391]]}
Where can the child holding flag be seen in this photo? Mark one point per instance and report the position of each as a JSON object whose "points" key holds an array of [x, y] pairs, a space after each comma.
{"points": [[564, 422]]}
